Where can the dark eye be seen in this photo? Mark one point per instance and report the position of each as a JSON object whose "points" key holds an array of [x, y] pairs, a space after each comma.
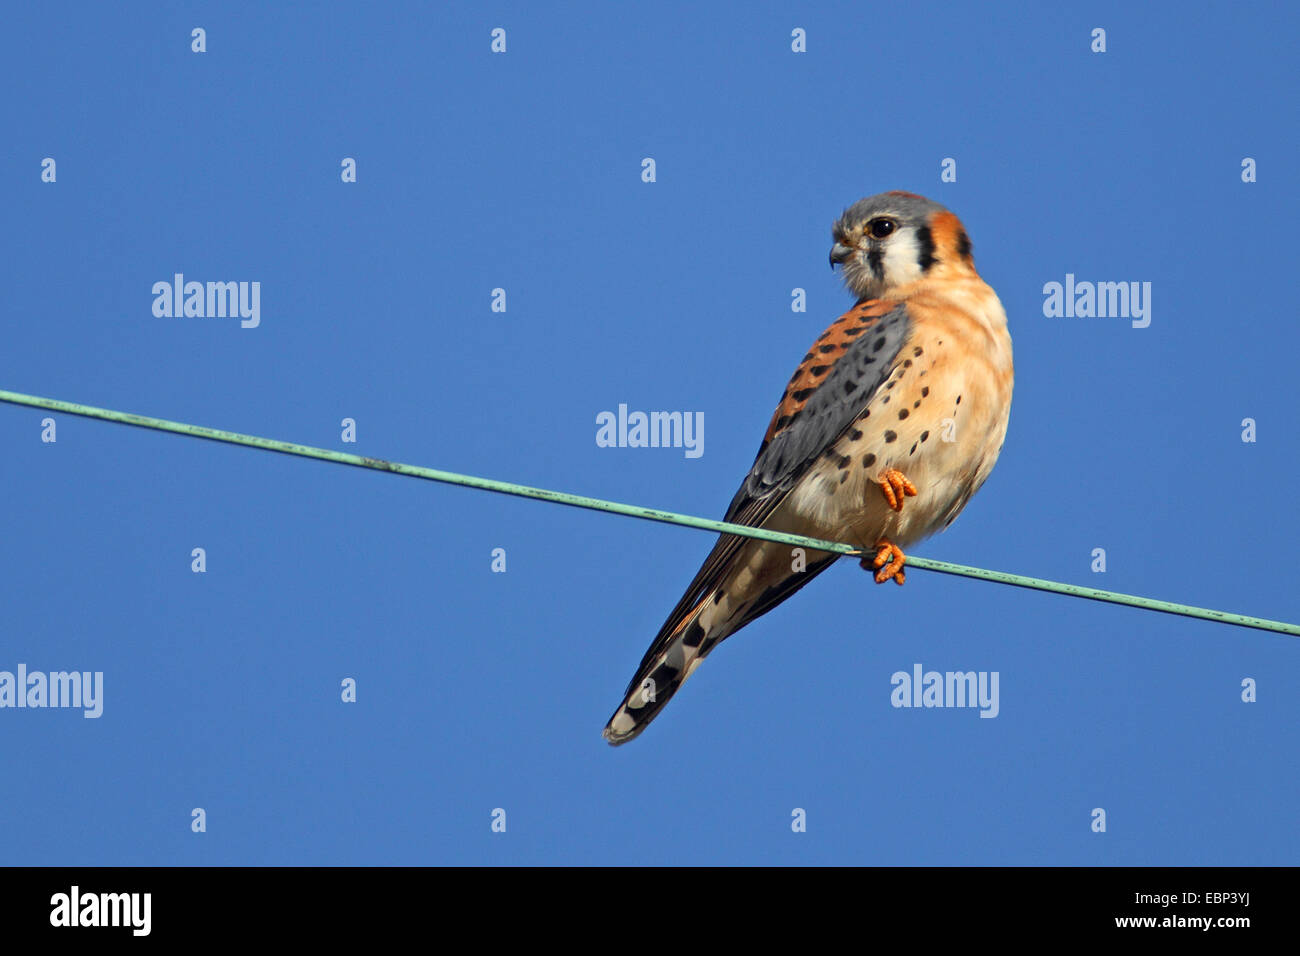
{"points": [[880, 228]]}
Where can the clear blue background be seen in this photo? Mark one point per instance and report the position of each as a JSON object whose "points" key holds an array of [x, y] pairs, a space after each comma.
{"points": [[481, 690]]}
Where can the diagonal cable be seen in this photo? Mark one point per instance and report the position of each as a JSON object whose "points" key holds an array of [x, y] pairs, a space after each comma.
{"points": [[636, 511]]}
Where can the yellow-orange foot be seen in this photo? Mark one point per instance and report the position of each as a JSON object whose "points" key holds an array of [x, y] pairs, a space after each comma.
{"points": [[888, 563], [894, 484]]}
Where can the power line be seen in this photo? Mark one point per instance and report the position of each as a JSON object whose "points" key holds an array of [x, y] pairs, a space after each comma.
{"points": [[635, 511]]}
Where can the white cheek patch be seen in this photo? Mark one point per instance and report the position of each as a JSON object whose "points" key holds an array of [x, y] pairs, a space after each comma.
{"points": [[898, 263], [901, 254]]}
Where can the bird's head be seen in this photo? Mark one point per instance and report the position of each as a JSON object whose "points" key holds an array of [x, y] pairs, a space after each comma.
{"points": [[889, 241]]}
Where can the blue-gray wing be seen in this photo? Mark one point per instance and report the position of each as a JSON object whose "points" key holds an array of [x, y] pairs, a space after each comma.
{"points": [[829, 391]]}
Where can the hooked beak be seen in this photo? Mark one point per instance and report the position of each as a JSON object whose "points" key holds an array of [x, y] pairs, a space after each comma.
{"points": [[839, 252]]}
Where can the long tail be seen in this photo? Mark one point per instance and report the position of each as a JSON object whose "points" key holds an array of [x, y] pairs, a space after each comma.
{"points": [[754, 579], [656, 681]]}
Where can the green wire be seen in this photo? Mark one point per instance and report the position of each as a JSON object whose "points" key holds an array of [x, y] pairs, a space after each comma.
{"points": [[636, 511]]}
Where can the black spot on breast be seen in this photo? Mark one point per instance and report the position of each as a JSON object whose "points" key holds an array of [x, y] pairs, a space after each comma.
{"points": [[885, 400], [907, 363], [845, 462], [913, 451], [925, 391], [868, 461], [917, 403], [889, 385], [916, 352], [844, 477], [924, 435], [958, 399], [890, 436], [827, 348], [925, 241], [902, 414], [856, 434], [859, 330]]}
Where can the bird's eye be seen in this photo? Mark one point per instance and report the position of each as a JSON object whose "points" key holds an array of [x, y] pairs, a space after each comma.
{"points": [[880, 228]]}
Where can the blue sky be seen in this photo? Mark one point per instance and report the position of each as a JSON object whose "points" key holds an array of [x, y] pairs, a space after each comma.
{"points": [[479, 690]]}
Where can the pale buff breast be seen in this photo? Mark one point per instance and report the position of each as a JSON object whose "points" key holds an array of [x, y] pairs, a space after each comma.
{"points": [[940, 419]]}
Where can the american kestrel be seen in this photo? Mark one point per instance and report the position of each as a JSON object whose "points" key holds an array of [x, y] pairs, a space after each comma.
{"points": [[893, 419]]}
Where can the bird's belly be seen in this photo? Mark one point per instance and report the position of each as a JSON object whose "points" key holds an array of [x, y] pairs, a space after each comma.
{"points": [[940, 419], [946, 452]]}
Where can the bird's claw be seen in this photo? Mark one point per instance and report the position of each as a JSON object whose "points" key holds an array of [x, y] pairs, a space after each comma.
{"points": [[895, 486], [888, 563]]}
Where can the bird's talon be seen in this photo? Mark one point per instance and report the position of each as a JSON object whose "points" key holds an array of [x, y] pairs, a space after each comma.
{"points": [[888, 563], [895, 486]]}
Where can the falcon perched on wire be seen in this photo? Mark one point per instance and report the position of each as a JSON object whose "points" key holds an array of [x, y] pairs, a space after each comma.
{"points": [[893, 419]]}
